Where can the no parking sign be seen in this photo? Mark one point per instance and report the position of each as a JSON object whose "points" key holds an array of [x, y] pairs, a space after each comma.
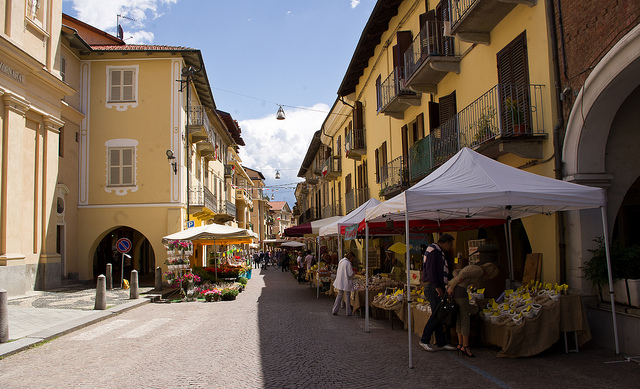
{"points": [[123, 245]]}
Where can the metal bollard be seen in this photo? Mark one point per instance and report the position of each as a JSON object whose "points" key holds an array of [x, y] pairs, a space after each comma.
{"points": [[101, 293], [4, 317], [134, 291], [158, 284], [109, 276]]}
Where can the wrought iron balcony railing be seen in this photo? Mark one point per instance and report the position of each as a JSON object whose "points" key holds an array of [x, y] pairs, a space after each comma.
{"points": [[392, 175], [331, 168], [507, 112], [355, 144], [201, 196], [200, 128], [430, 57], [395, 98], [355, 198]]}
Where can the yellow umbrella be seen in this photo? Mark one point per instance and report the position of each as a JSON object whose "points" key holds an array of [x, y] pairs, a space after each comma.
{"points": [[398, 248]]}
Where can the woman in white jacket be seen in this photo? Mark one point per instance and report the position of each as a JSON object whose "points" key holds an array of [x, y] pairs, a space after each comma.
{"points": [[344, 283]]}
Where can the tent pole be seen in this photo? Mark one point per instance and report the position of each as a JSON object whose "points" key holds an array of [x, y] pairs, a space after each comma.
{"points": [[511, 270], [407, 270], [317, 267], [611, 292], [366, 275]]}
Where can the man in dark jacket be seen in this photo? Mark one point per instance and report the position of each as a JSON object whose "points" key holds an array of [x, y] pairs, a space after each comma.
{"points": [[435, 272]]}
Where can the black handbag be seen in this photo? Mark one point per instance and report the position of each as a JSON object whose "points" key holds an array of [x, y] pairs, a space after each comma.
{"points": [[446, 312]]}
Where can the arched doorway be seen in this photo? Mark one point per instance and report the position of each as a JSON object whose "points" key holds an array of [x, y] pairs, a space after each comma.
{"points": [[142, 256], [600, 149]]}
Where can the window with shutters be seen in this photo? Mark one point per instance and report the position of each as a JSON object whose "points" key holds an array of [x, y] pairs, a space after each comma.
{"points": [[513, 78], [122, 87], [121, 166]]}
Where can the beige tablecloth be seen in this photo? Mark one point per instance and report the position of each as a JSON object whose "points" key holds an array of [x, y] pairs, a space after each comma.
{"points": [[538, 334]]}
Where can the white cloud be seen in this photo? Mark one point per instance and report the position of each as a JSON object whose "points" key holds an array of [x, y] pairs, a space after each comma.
{"points": [[103, 14], [280, 144], [354, 3], [138, 37]]}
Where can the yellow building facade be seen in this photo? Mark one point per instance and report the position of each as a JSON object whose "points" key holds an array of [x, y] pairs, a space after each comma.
{"points": [[31, 115], [428, 78], [154, 152]]}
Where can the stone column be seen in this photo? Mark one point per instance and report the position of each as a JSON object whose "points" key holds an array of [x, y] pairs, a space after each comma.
{"points": [[109, 276], [101, 293], [158, 281], [134, 292], [4, 317]]}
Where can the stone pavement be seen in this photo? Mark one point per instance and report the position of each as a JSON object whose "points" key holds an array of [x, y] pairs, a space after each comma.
{"points": [[277, 334], [40, 316]]}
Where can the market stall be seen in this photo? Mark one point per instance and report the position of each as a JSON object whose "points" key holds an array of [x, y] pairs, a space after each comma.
{"points": [[491, 192]]}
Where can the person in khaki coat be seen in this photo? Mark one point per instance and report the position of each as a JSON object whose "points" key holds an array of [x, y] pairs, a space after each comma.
{"points": [[471, 275]]}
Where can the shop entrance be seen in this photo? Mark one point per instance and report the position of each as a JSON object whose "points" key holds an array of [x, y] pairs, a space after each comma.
{"points": [[142, 257]]}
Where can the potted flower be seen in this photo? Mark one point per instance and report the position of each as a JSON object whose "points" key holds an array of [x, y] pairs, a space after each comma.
{"points": [[484, 128], [516, 114], [212, 295]]}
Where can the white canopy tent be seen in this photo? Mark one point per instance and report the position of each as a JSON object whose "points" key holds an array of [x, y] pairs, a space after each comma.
{"points": [[472, 186], [292, 244], [354, 217], [211, 231]]}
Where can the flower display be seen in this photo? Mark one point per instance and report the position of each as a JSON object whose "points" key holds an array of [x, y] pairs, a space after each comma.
{"points": [[180, 245]]}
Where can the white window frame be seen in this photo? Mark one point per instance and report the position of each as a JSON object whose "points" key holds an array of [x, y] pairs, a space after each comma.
{"points": [[119, 104], [121, 188]]}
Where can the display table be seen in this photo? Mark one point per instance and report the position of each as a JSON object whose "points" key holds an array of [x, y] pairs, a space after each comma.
{"points": [[419, 320], [399, 309], [538, 334]]}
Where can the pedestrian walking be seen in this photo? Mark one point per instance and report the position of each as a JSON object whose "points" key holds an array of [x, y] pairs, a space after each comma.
{"points": [[344, 283]]}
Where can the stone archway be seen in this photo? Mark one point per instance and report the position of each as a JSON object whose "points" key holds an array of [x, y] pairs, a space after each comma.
{"points": [[143, 256], [600, 144]]}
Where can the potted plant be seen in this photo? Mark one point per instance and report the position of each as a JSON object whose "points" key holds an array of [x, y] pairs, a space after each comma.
{"points": [[625, 269], [484, 127], [229, 294], [516, 114]]}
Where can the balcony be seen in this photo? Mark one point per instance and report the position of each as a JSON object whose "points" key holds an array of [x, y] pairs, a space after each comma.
{"points": [[330, 210], [308, 215], [331, 168], [228, 170], [244, 196], [355, 198], [473, 20], [393, 178], [355, 145], [202, 203], [200, 129], [226, 212], [205, 148], [430, 58], [509, 118], [394, 97]]}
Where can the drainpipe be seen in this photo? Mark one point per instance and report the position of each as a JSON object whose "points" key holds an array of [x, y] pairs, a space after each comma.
{"points": [[557, 136]]}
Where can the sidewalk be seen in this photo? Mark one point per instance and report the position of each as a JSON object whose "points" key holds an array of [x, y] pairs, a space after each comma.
{"points": [[41, 316]]}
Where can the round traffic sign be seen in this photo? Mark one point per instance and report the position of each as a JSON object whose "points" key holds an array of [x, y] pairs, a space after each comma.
{"points": [[123, 245]]}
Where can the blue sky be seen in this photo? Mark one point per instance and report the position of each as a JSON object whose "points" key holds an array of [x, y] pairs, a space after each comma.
{"points": [[257, 54]]}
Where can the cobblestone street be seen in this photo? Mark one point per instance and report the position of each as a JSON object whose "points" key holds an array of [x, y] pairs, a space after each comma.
{"points": [[277, 334]]}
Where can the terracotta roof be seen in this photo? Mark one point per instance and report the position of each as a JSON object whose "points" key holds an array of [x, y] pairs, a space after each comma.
{"points": [[139, 48], [277, 205], [232, 126]]}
